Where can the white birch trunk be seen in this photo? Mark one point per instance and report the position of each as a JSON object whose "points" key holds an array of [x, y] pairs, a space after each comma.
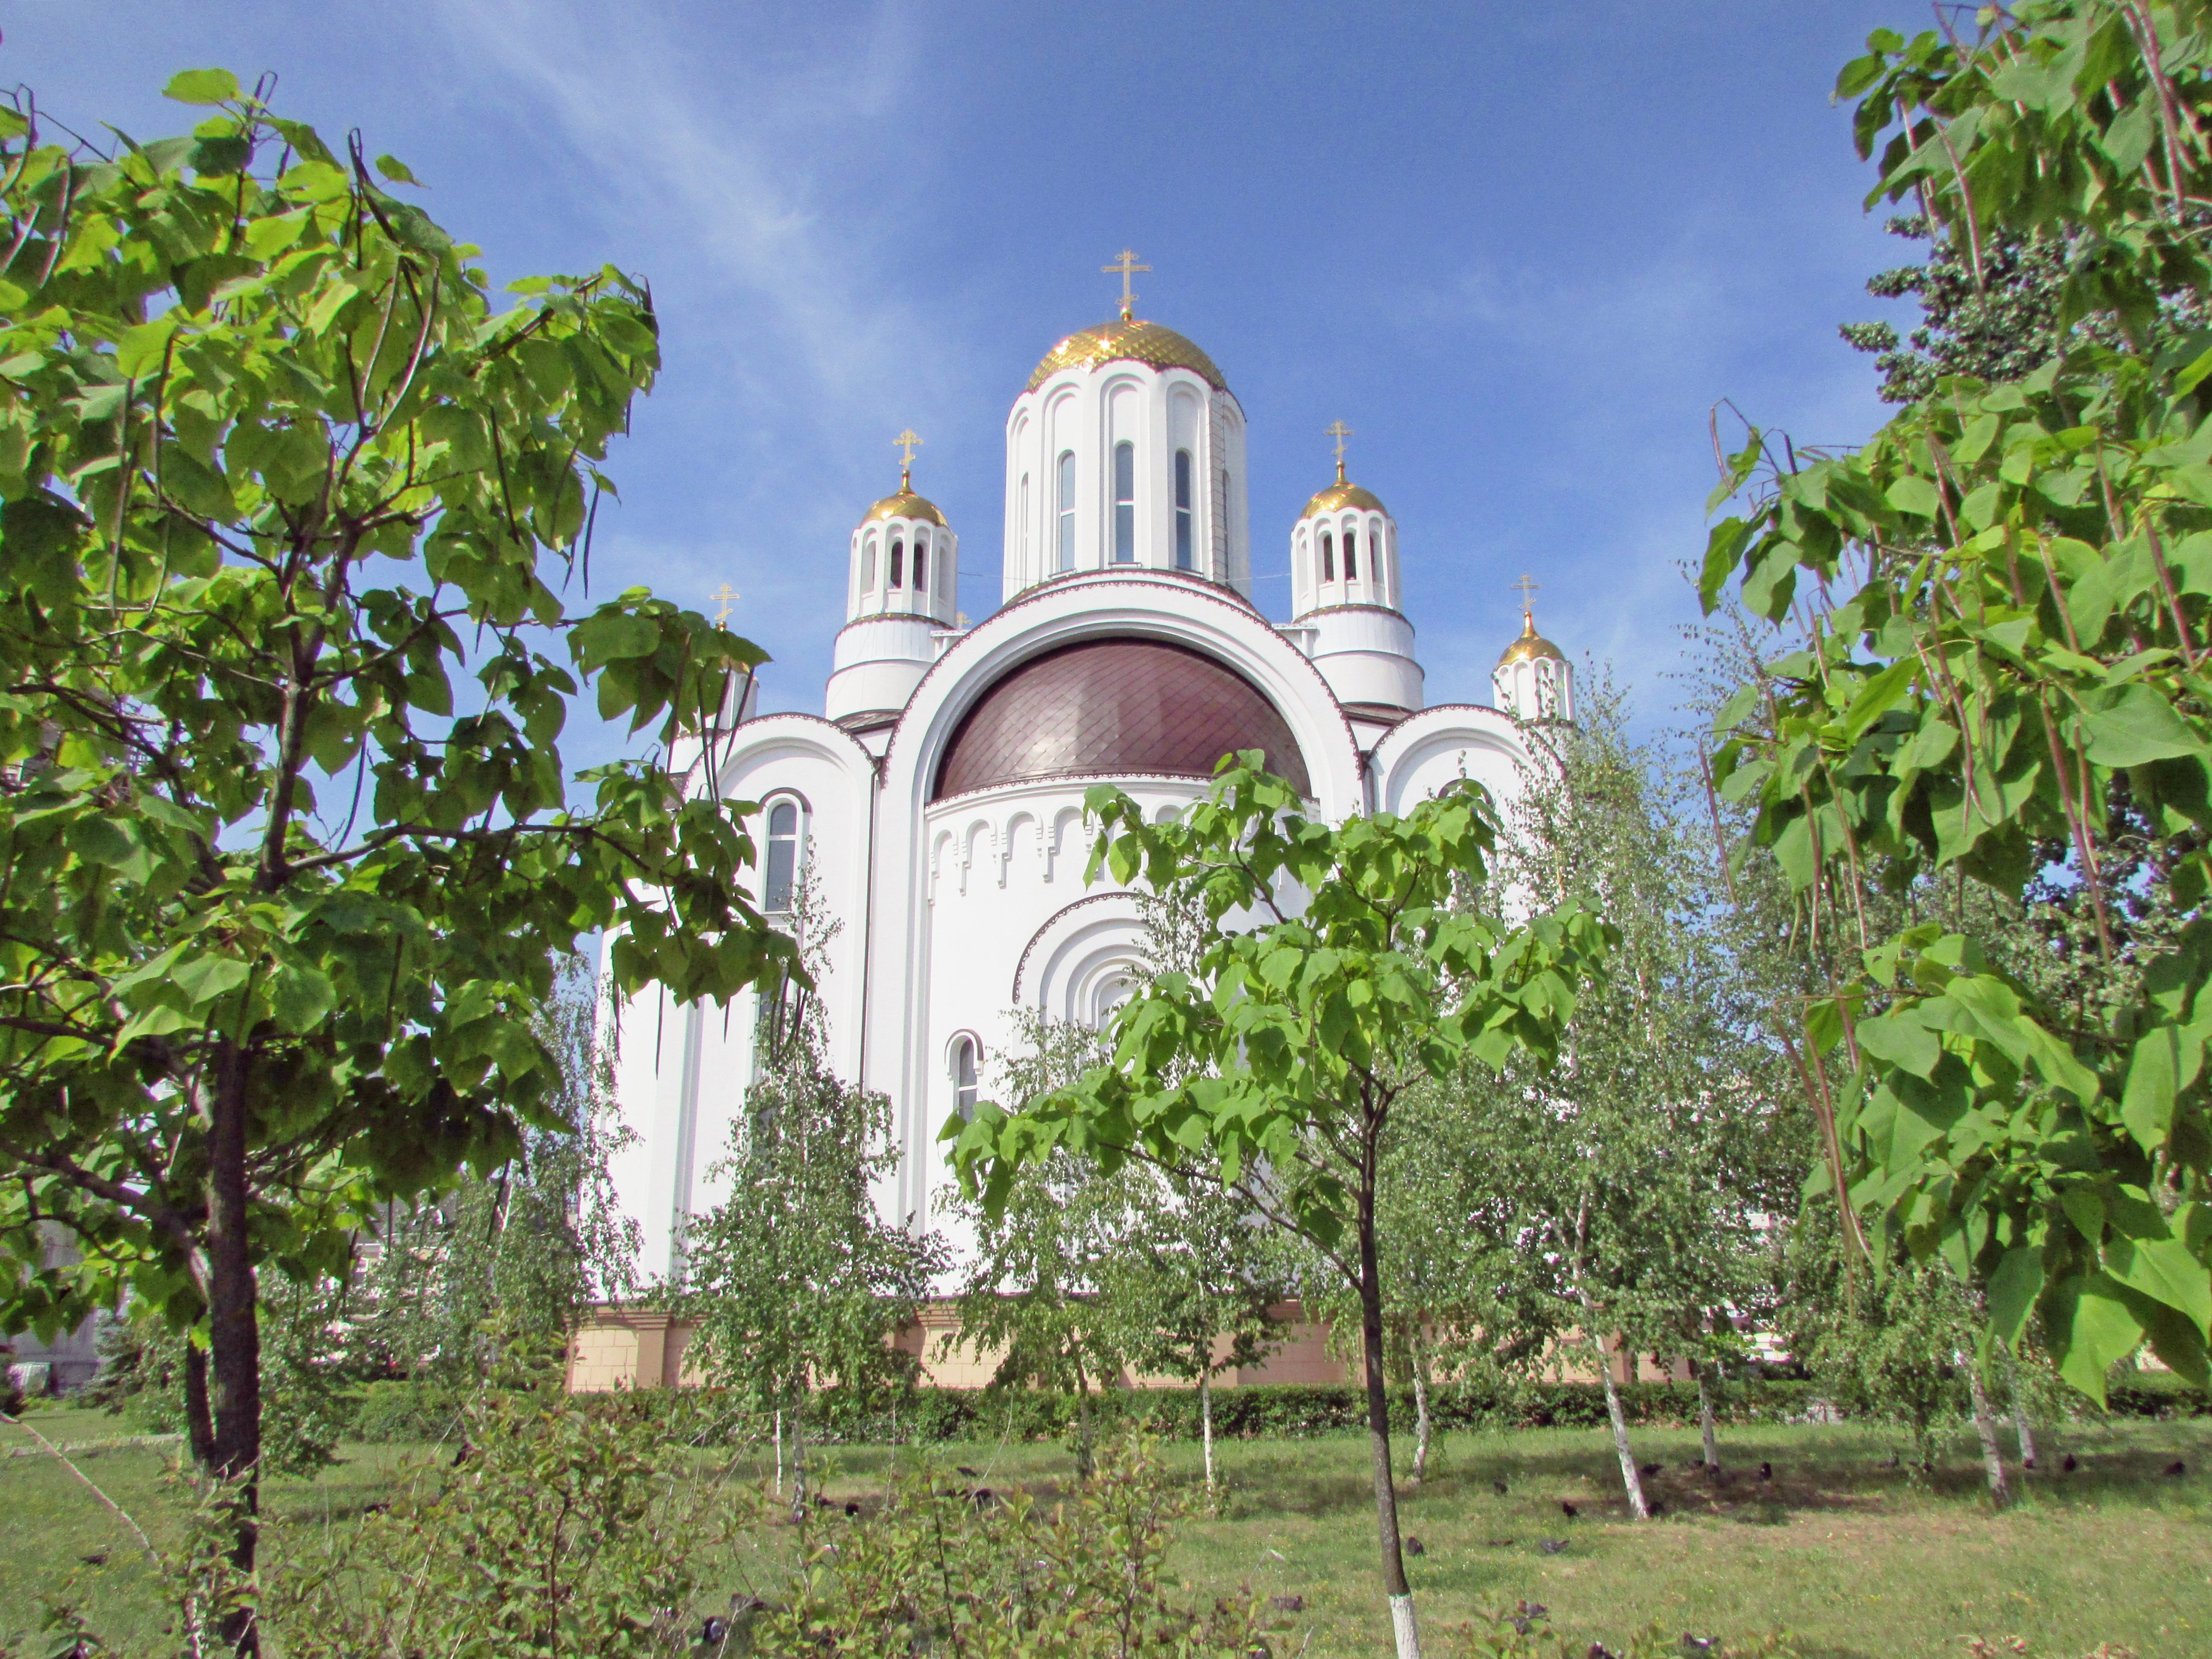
{"points": [[1631, 1477], [1420, 1415], [1986, 1428], [2020, 1424], [778, 1490], [1206, 1428], [1705, 1415]]}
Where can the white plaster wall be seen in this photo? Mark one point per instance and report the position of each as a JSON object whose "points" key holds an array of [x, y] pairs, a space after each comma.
{"points": [[1086, 411], [1419, 756], [876, 661], [682, 1071]]}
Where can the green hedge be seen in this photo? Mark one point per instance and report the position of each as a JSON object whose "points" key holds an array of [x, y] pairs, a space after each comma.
{"points": [[411, 1412]]}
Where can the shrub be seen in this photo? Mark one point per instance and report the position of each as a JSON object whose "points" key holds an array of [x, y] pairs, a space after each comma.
{"points": [[943, 1568], [553, 1531]]}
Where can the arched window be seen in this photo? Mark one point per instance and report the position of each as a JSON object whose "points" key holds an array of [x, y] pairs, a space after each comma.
{"points": [[1125, 503], [921, 562], [1351, 554], [1327, 558], [963, 1076], [1184, 554], [898, 562], [781, 869], [867, 564], [1026, 537], [1066, 510]]}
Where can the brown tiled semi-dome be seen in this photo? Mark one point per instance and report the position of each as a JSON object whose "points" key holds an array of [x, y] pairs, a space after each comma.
{"points": [[1107, 708]]}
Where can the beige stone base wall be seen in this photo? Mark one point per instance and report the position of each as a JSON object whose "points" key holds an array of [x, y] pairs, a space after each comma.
{"points": [[622, 1348]]}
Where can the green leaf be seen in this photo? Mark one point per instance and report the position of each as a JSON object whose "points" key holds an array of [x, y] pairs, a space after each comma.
{"points": [[300, 997], [396, 170], [2093, 1331], [2133, 725], [1915, 495], [219, 158], [204, 978], [113, 842], [612, 635], [40, 537], [2163, 1269], [2013, 1288], [206, 86], [2166, 1061], [1902, 1041]]}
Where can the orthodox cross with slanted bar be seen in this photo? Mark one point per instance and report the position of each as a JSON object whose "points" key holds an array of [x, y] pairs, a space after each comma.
{"points": [[1127, 266], [1338, 430]]}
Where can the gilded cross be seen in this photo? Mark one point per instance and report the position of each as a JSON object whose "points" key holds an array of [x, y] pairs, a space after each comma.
{"points": [[906, 443], [1128, 266], [1338, 430], [728, 596], [1527, 586]]}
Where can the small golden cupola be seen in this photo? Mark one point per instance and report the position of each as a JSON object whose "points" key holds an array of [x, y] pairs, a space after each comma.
{"points": [[904, 556], [1345, 603], [902, 585], [1533, 680]]}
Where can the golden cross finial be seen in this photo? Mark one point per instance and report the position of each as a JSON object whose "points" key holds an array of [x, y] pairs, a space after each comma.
{"points": [[728, 595], [1338, 430], [1528, 586], [1128, 266], [906, 443]]}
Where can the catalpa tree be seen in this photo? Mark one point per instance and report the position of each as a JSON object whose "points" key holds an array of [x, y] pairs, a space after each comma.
{"points": [[287, 856], [1339, 967], [2005, 599]]}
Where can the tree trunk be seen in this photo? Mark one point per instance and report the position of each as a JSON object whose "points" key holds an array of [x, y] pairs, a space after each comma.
{"points": [[199, 1424], [1378, 1436], [1706, 1415], [1206, 1428], [1629, 1476], [1985, 1426], [798, 1455], [1420, 1406], [2020, 1424], [776, 1490], [233, 1327], [1086, 1463]]}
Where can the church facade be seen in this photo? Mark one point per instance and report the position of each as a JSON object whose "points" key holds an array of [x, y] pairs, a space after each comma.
{"points": [[934, 807]]}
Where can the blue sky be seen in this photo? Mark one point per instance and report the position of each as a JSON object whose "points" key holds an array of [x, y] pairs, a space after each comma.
{"points": [[1521, 251]]}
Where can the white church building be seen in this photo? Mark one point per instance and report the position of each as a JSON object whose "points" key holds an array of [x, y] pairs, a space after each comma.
{"points": [[936, 802]]}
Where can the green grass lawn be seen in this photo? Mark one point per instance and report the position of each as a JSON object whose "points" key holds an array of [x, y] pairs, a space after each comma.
{"points": [[1849, 1555]]}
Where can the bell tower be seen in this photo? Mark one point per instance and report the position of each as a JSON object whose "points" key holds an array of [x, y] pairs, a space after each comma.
{"points": [[902, 578], [1533, 680], [1345, 596]]}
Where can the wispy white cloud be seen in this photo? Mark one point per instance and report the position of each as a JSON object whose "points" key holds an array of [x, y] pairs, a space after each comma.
{"points": [[720, 162]]}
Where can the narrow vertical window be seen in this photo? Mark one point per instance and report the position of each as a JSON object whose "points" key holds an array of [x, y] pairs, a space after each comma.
{"points": [[1067, 509], [1183, 552], [898, 562], [921, 562], [782, 867], [1026, 537], [963, 1076], [1351, 554], [1125, 503], [1327, 558], [867, 564]]}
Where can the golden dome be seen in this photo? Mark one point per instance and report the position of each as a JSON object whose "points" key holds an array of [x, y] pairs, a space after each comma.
{"points": [[1127, 340], [904, 505], [1531, 645], [1342, 495]]}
